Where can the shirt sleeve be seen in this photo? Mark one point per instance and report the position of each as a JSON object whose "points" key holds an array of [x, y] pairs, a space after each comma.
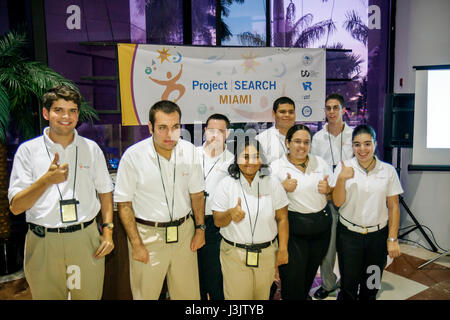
{"points": [[126, 180], [394, 185], [102, 180], [196, 180], [279, 197], [21, 174], [220, 199]]}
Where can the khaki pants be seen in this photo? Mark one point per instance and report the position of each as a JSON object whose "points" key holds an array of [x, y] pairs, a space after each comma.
{"points": [[61, 263], [176, 260], [247, 283]]}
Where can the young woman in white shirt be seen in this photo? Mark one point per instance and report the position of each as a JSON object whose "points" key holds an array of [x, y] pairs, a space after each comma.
{"points": [[304, 177], [250, 208], [366, 190]]}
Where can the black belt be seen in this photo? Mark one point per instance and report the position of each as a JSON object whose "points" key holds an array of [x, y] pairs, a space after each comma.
{"points": [[250, 246], [40, 230], [163, 224]]}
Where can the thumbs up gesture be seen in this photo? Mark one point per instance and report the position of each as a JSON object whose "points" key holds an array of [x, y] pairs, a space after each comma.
{"points": [[289, 184], [346, 172], [323, 186], [57, 173], [237, 214]]}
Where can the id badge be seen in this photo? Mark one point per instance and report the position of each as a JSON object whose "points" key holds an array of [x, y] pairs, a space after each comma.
{"points": [[171, 234], [252, 258], [68, 210]]}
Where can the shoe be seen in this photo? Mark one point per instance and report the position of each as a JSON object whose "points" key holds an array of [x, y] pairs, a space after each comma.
{"points": [[321, 293]]}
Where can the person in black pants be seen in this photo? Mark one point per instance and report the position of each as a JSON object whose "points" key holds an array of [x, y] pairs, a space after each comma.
{"points": [[366, 190], [215, 162], [304, 177]]}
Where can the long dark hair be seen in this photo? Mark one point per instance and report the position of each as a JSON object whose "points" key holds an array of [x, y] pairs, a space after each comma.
{"points": [[292, 130], [239, 147], [364, 128]]}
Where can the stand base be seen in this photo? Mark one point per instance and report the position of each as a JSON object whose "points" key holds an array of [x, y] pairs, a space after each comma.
{"points": [[434, 259]]}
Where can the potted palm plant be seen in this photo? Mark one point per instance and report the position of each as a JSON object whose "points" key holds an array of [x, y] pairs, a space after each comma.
{"points": [[22, 84]]}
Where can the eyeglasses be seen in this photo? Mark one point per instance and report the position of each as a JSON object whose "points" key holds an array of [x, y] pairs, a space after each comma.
{"points": [[334, 108]]}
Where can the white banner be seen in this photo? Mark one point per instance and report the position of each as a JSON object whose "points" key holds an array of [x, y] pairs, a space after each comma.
{"points": [[241, 83]]}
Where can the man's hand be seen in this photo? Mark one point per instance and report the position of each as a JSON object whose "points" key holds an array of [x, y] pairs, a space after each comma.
{"points": [[140, 253], [198, 241], [106, 245], [57, 173]]}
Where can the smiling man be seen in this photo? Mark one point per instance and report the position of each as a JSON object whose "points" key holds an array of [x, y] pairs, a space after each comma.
{"points": [[56, 178], [159, 184], [273, 139]]}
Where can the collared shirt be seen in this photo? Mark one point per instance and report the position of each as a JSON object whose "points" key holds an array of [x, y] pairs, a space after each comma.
{"points": [[306, 197], [272, 197], [365, 199], [32, 161], [149, 183], [273, 144], [330, 148], [214, 170]]}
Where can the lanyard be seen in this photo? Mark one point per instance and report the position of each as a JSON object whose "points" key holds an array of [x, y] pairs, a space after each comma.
{"points": [[204, 168], [252, 228], [75, 174], [331, 147], [164, 188]]}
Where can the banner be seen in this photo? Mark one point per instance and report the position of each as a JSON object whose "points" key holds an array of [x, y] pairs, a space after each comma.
{"points": [[241, 83]]}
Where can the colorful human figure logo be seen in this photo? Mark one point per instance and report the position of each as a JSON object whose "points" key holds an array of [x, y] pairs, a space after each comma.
{"points": [[171, 85]]}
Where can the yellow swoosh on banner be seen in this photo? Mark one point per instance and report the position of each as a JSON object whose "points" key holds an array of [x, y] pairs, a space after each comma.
{"points": [[126, 52]]}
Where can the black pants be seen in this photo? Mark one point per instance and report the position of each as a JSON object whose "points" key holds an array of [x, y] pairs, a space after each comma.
{"points": [[209, 268], [362, 258], [309, 237]]}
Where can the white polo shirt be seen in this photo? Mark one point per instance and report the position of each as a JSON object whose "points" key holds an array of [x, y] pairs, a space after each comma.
{"points": [[273, 144], [32, 161], [329, 147], [214, 170], [271, 197], [306, 197], [365, 201], [139, 180]]}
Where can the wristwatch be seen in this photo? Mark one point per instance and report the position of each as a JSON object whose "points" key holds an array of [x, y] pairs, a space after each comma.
{"points": [[108, 225], [201, 227], [392, 239]]}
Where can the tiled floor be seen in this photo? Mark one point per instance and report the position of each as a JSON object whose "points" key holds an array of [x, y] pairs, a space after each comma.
{"points": [[402, 280]]}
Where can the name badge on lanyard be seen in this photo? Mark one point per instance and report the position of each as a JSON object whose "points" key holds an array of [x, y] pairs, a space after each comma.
{"points": [[172, 233], [68, 209], [252, 258]]}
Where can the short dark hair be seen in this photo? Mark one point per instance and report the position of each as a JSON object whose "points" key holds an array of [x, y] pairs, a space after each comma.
{"points": [[239, 147], [165, 106], [282, 100], [292, 130], [336, 96], [364, 128], [219, 116], [61, 92]]}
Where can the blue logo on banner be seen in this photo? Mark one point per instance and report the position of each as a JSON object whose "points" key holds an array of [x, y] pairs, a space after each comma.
{"points": [[306, 111], [307, 86], [307, 60]]}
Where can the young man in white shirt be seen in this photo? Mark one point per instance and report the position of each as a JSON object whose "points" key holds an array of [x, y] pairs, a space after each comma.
{"points": [[215, 162], [273, 139], [159, 184], [333, 143], [55, 178]]}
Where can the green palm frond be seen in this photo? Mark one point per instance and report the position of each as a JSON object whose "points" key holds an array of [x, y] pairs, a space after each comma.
{"points": [[23, 83], [4, 113]]}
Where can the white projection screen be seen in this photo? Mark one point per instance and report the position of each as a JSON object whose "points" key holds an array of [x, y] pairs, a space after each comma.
{"points": [[431, 144]]}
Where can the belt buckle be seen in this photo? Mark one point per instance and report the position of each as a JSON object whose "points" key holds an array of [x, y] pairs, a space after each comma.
{"points": [[366, 231]]}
